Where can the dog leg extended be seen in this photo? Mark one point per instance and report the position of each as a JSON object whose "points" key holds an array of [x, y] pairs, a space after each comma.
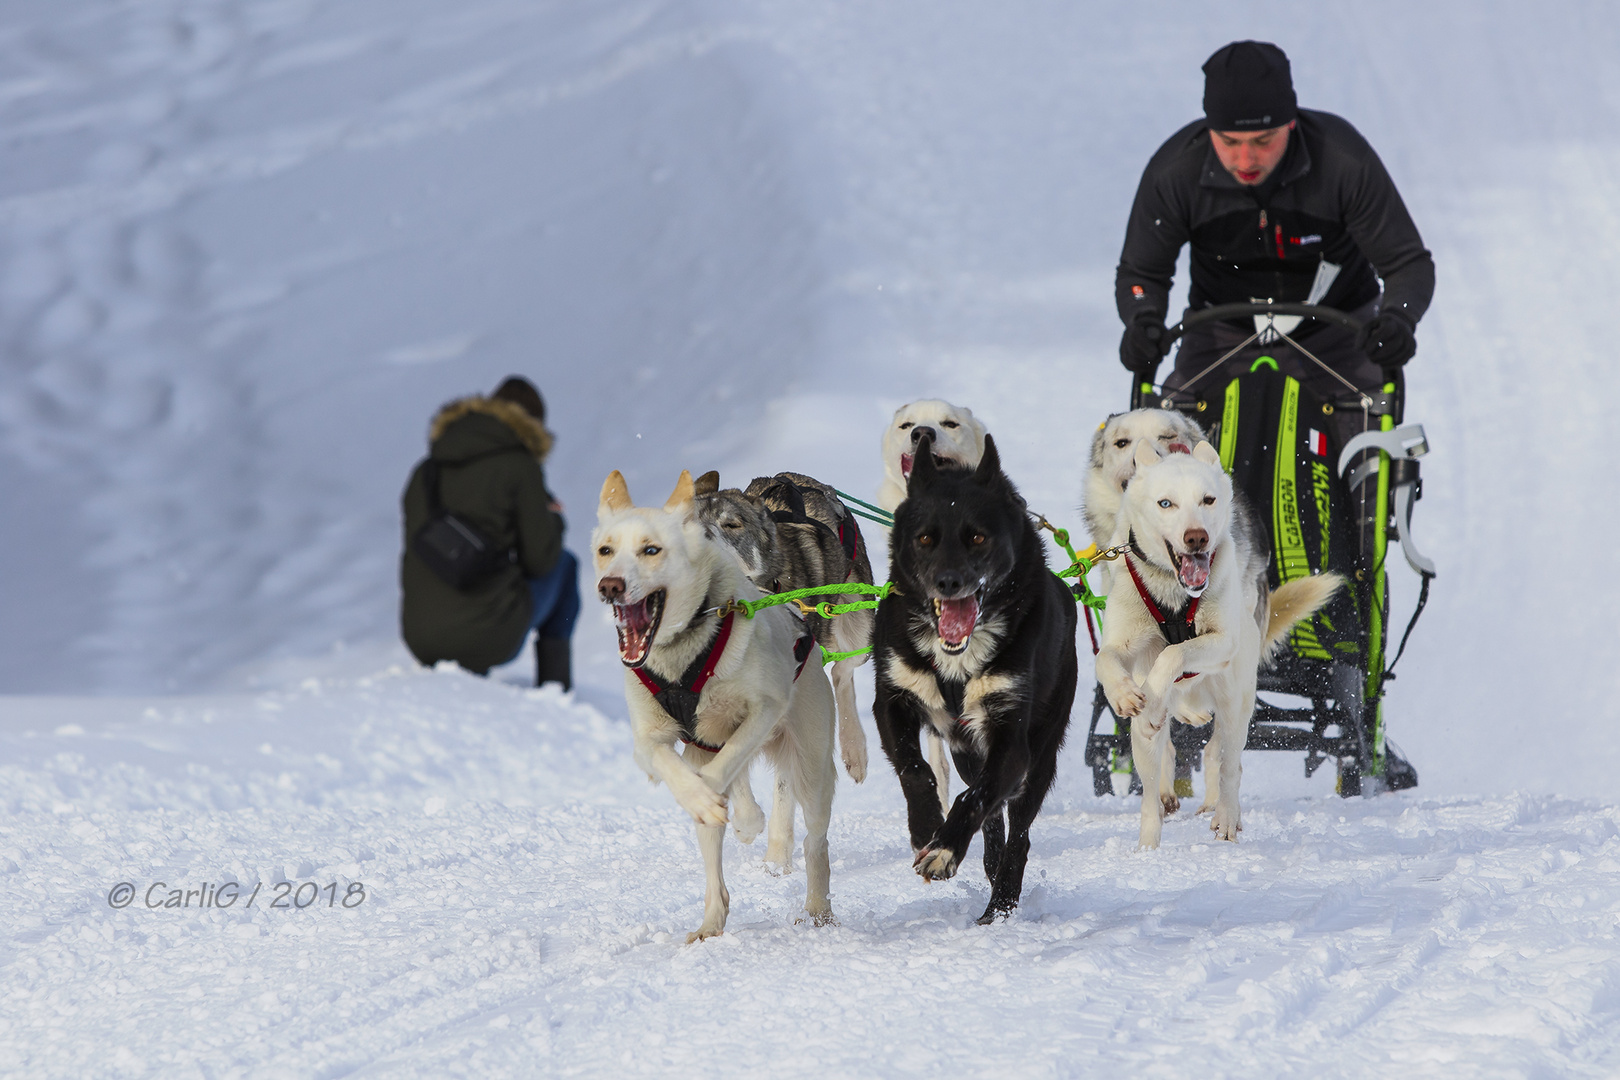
{"points": [[697, 798], [1212, 774], [716, 901], [1007, 765], [1149, 732], [1008, 883], [1167, 777], [813, 784], [939, 760], [779, 847], [1113, 672], [1232, 730], [994, 831], [761, 721], [851, 736], [899, 726], [747, 819]]}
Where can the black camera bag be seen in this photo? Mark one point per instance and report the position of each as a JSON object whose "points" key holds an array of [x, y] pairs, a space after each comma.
{"points": [[458, 552]]}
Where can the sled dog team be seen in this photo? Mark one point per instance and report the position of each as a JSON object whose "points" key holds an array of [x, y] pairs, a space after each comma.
{"points": [[974, 641]]}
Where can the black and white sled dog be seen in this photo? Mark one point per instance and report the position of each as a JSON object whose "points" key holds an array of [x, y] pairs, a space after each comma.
{"points": [[1189, 622], [957, 437], [729, 687], [977, 643]]}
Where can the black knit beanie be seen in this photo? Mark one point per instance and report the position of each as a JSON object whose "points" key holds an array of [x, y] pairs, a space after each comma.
{"points": [[1248, 87], [521, 392]]}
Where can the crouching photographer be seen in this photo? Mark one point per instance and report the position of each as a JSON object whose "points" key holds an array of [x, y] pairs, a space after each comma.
{"points": [[484, 561]]}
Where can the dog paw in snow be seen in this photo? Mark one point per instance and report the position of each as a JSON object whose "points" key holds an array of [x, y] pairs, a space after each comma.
{"points": [[1226, 823], [936, 864]]}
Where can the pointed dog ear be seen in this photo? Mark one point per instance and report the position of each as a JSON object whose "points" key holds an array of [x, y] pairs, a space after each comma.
{"points": [[989, 465], [1145, 453], [615, 495], [1206, 453], [707, 484], [923, 472], [681, 497]]}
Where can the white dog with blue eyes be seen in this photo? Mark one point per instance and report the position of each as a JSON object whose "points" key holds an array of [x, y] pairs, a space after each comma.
{"points": [[958, 436], [1191, 620]]}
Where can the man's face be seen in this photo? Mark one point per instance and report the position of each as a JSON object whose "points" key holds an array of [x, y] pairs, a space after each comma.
{"points": [[1250, 156]]}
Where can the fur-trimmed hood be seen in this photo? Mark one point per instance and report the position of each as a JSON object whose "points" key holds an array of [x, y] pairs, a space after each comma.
{"points": [[529, 431]]}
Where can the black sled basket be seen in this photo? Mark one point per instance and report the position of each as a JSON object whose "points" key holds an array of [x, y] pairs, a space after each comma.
{"points": [[1324, 695]]}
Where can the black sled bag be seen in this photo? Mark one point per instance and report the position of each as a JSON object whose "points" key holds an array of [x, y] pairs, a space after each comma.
{"points": [[1275, 441]]}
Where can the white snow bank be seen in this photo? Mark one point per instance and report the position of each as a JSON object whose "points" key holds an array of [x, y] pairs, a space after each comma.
{"points": [[526, 893]]}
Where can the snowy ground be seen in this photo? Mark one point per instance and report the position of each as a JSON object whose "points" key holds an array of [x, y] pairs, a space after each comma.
{"points": [[526, 896], [247, 248]]}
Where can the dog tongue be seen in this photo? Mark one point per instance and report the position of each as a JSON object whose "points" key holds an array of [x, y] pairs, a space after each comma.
{"points": [[633, 622], [905, 465], [1193, 571], [957, 618]]}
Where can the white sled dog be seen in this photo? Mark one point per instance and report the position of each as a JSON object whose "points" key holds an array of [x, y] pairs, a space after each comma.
{"points": [[727, 686], [1113, 459], [1189, 625], [958, 436]]}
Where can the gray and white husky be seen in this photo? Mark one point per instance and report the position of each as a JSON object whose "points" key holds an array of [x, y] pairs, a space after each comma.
{"points": [[1189, 623], [791, 531]]}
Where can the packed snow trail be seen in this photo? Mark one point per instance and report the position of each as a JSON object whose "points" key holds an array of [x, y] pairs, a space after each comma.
{"points": [[526, 896]]}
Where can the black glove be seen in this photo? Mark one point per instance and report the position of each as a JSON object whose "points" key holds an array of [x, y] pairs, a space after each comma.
{"points": [[1142, 347], [1388, 342]]}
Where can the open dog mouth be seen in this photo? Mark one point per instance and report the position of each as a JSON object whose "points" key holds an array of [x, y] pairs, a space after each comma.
{"points": [[955, 620], [637, 625], [1192, 569]]}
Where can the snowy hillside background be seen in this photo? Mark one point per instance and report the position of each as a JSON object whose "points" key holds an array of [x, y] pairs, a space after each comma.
{"points": [[246, 249]]}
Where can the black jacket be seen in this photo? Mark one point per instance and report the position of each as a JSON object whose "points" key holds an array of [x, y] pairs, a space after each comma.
{"points": [[503, 494], [1328, 200]]}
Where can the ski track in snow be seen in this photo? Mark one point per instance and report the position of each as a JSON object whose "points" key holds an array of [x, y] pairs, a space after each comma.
{"points": [[527, 895]]}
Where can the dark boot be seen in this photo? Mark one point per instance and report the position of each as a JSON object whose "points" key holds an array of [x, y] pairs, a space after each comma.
{"points": [[552, 662]]}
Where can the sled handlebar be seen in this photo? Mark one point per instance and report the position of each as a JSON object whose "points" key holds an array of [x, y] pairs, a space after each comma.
{"points": [[1237, 311]]}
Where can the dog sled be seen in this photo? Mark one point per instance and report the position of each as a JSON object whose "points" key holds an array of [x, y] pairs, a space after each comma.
{"points": [[1328, 503]]}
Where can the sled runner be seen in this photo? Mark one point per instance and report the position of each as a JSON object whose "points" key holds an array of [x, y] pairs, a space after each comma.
{"points": [[1329, 501]]}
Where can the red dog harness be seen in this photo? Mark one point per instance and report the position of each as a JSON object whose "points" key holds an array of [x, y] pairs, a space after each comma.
{"points": [[680, 698], [1175, 631]]}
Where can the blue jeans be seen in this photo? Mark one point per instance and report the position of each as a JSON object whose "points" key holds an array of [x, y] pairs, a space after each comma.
{"points": [[554, 601]]}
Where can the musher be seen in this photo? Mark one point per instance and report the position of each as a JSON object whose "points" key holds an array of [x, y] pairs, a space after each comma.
{"points": [[1279, 203]]}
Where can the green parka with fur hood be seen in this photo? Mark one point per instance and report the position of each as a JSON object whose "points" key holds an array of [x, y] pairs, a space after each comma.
{"points": [[505, 496]]}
